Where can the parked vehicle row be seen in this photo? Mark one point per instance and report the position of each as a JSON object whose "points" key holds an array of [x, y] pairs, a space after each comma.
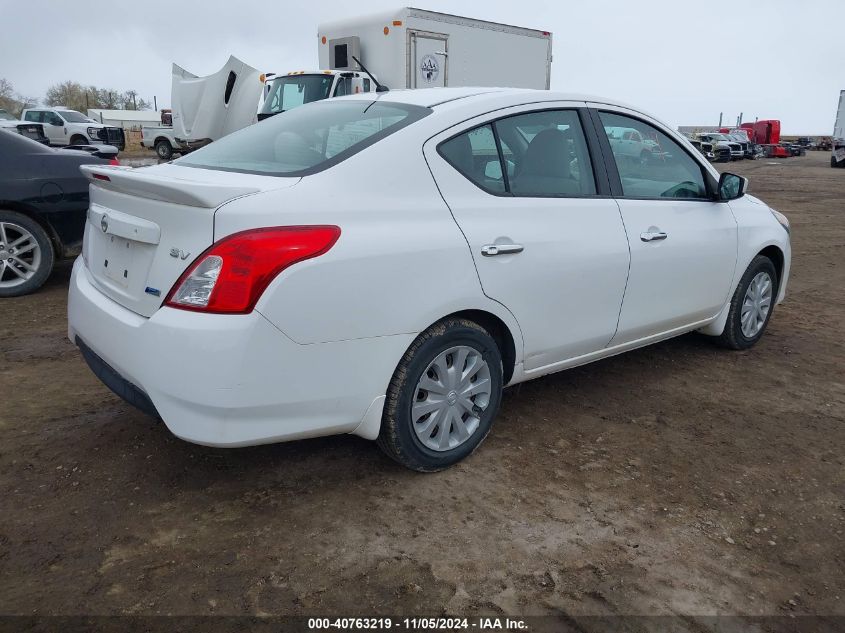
{"points": [[510, 234]]}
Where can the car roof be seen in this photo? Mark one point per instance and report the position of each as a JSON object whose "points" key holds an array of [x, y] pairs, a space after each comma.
{"points": [[432, 97]]}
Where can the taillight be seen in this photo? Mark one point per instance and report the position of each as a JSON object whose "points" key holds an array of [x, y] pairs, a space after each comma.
{"points": [[114, 161], [230, 276]]}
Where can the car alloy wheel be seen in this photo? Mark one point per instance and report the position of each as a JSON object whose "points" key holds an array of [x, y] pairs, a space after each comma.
{"points": [[450, 398], [20, 255]]}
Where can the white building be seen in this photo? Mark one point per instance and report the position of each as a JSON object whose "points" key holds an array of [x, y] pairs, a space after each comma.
{"points": [[127, 119]]}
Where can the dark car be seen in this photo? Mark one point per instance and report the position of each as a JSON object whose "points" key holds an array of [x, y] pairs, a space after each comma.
{"points": [[43, 205]]}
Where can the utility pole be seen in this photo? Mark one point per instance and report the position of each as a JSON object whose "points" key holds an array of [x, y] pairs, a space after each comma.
{"points": [[720, 119], [155, 103]]}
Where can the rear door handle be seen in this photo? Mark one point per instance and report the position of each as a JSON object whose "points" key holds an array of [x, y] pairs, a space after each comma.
{"points": [[490, 250], [653, 236]]}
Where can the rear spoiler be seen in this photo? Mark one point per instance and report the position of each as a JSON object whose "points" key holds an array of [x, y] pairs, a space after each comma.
{"points": [[144, 185]]}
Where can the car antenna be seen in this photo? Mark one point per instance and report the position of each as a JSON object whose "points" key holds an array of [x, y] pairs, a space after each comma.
{"points": [[380, 87]]}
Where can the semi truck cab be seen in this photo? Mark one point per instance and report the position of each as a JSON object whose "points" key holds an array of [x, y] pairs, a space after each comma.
{"points": [[285, 92]]}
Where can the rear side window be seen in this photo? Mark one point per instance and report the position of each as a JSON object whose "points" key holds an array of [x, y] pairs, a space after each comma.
{"points": [[536, 154], [306, 140], [34, 116], [474, 154]]}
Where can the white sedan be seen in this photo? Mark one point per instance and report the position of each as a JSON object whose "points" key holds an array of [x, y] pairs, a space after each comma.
{"points": [[385, 266]]}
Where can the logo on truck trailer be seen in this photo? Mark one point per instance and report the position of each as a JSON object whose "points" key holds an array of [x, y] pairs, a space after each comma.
{"points": [[429, 68]]}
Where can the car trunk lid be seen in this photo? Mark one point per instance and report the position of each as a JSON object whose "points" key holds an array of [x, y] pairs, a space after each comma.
{"points": [[146, 226]]}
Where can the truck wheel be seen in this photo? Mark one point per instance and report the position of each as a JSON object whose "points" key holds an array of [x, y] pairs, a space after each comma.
{"points": [[164, 150], [78, 140], [26, 254]]}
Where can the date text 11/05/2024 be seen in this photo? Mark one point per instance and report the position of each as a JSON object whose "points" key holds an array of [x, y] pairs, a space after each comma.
{"points": [[419, 624]]}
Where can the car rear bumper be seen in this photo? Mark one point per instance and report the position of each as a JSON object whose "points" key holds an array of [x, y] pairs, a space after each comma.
{"points": [[229, 380]]}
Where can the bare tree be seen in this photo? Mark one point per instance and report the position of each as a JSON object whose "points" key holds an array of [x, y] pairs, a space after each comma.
{"points": [[11, 101], [78, 97]]}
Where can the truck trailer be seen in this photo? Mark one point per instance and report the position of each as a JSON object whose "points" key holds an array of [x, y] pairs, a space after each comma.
{"points": [[413, 48], [837, 159]]}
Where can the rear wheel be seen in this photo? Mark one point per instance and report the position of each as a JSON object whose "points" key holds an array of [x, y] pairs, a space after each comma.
{"points": [[164, 150], [751, 305], [26, 254], [443, 397]]}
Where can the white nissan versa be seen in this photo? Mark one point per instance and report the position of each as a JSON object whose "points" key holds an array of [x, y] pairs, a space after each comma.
{"points": [[385, 265]]}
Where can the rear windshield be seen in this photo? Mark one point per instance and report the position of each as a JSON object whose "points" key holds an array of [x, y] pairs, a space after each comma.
{"points": [[307, 139]]}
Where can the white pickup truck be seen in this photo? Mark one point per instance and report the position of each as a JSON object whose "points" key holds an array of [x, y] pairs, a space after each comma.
{"points": [[162, 138], [64, 126]]}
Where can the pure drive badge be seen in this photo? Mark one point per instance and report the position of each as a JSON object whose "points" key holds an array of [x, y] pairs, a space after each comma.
{"points": [[429, 68]]}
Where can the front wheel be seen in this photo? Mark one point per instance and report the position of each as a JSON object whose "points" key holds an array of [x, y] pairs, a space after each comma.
{"points": [[164, 150], [751, 305], [79, 140], [443, 397], [26, 254]]}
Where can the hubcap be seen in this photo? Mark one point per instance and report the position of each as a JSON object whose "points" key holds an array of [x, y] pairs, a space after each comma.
{"points": [[756, 304], [450, 398], [20, 255]]}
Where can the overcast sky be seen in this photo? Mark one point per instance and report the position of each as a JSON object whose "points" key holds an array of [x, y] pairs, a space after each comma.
{"points": [[683, 61]]}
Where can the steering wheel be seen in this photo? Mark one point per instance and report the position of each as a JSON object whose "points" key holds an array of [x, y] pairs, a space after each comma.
{"points": [[686, 189]]}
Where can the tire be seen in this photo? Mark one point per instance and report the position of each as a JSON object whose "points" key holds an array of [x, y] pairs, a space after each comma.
{"points": [[645, 157], [79, 140], [35, 252], [412, 443], [164, 150], [734, 336]]}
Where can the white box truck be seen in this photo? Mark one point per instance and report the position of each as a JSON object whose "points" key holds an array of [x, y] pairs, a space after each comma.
{"points": [[838, 157], [414, 48]]}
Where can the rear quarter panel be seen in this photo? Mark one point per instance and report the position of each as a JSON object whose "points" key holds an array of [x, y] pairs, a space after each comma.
{"points": [[400, 264]]}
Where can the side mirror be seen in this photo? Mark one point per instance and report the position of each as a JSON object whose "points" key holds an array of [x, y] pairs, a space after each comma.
{"points": [[732, 186]]}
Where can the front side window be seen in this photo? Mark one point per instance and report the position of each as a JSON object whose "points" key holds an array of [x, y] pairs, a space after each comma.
{"points": [[343, 87], [292, 91], [306, 140], [650, 164], [539, 154]]}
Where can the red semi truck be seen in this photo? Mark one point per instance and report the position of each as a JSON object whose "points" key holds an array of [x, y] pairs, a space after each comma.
{"points": [[765, 132]]}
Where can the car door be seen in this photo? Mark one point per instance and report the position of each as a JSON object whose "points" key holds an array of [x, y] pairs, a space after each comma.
{"points": [[547, 239], [54, 128], [37, 116], [683, 243]]}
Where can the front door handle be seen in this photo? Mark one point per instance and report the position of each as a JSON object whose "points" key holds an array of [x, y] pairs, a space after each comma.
{"points": [[489, 250], [653, 236]]}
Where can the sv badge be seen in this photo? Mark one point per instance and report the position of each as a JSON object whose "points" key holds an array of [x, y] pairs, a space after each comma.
{"points": [[178, 252]]}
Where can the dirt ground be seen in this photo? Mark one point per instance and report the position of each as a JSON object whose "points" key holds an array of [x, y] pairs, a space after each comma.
{"points": [[678, 479]]}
